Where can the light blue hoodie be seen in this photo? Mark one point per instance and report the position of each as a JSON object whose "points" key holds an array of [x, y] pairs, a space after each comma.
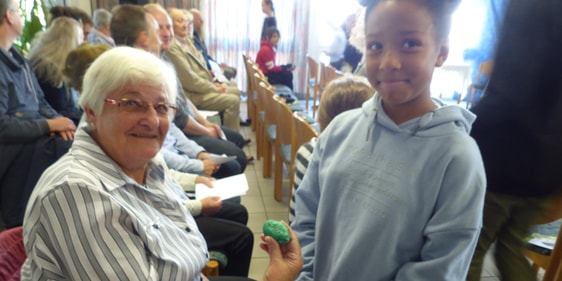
{"points": [[381, 201]]}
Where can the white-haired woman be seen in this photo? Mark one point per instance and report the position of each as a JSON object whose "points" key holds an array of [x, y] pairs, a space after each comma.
{"points": [[47, 57], [108, 210]]}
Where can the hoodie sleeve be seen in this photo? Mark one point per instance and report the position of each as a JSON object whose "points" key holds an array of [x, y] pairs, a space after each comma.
{"points": [[306, 199], [452, 231]]}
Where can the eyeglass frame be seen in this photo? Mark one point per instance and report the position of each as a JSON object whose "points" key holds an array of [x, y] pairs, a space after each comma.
{"points": [[142, 106]]}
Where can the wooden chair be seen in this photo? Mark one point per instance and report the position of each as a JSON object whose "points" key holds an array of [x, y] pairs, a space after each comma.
{"points": [[284, 145], [312, 80], [250, 91], [304, 133], [269, 127], [257, 79], [485, 68], [552, 264]]}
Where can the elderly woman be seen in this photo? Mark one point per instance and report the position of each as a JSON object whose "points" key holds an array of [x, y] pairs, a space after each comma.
{"points": [[108, 209]]}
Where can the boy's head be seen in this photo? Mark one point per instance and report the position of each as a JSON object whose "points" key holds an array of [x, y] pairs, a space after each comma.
{"points": [[272, 35], [340, 95], [405, 41]]}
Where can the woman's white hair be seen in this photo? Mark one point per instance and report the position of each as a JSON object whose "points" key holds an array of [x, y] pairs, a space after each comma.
{"points": [[121, 67]]}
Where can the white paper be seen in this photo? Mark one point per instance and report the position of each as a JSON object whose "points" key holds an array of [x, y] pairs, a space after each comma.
{"points": [[217, 72], [224, 188], [220, 159], [208, 113], [547, 243]]}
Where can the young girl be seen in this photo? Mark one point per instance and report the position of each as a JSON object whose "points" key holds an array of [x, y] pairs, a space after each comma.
{"points": [[395, 189], [276, 74]]}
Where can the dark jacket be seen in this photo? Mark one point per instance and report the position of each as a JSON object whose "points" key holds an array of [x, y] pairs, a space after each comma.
{"points": [[519, 119], [23, 109]]}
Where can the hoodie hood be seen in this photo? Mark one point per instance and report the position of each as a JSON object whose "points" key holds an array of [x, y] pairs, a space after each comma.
{"points": [[441, 121]]}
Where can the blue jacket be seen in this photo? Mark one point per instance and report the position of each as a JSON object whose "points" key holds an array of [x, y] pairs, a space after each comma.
{"points": [[381, 201], [23, 109]]}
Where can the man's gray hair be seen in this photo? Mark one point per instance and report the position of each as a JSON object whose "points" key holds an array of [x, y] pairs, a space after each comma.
{"points": [[102, 18]]}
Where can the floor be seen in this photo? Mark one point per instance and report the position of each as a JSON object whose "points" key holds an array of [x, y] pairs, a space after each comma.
{"points": [[261, 206]]}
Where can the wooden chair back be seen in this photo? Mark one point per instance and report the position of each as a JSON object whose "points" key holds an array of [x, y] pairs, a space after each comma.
{"points": [[250, 91], [268, 128], [485, 68], [311, 79], [284, 145]]}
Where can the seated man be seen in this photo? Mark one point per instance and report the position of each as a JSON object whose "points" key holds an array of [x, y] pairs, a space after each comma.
{"points": [[188, 118], [100, 34], [196, 80], [32, 134], [198, 40]]}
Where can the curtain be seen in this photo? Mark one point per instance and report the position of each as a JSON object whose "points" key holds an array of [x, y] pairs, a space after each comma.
{"points": [[485, 50], [233, 28]]}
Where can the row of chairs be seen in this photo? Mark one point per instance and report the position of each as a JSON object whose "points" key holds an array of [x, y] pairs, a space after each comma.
{"points": [[318, 76], [279, 130]]}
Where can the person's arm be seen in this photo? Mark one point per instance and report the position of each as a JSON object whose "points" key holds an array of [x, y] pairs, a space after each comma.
{"points": [[14, 129], [268, 58], [183, 144], [452, 232], [191, 82], [176, 160]]}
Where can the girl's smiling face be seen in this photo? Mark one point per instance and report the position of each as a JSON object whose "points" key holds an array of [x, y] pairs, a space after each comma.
{"points": [[402, 52]]}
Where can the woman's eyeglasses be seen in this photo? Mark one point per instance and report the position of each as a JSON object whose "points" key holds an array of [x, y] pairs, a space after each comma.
{"points": [[138, 106]]}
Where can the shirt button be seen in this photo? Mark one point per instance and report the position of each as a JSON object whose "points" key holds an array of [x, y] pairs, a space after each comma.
{"points": [[157, 226], [188, 229]]}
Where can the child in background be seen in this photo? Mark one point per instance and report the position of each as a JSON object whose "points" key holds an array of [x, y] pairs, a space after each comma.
{"points": [[394, 190], [340, 95], [266, 60]]}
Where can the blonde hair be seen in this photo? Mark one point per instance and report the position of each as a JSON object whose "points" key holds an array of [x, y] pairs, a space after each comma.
{"points": [[47, 56], [78, 61], [342, 94]]}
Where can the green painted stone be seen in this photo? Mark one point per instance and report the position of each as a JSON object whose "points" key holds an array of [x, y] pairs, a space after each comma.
{"points": [[277, 230]]}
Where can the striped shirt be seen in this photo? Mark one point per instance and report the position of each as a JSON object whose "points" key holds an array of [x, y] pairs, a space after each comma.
{"points": [[87, 220], [304, 154]]}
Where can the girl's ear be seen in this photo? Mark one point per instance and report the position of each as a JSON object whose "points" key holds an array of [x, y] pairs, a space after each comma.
{"points": [[442, 55]]}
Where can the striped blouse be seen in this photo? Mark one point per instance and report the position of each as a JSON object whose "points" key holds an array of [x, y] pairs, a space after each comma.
{"points": [[87, 220], [304, 154]]}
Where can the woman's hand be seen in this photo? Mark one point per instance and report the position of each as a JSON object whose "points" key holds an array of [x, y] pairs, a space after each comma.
{"points": [[205, 180], [210, 206], [285, 261]]}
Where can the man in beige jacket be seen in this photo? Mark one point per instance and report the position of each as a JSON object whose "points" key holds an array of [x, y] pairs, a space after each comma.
{"points": [[196, 80]]}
